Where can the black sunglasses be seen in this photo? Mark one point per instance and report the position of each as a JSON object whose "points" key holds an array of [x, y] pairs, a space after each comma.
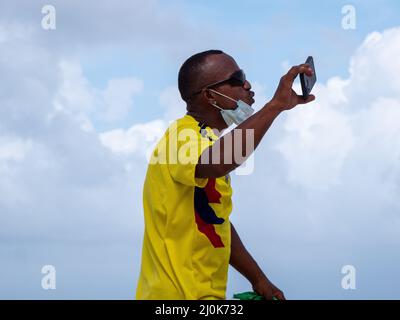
{"points": [[236, 78]]}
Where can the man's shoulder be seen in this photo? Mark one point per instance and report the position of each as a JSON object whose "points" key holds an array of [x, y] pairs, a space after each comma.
{"points": [[187, 124], [178, 131]]}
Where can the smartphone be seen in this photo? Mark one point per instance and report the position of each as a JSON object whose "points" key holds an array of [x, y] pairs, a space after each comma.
{"points": [[307, 83]]}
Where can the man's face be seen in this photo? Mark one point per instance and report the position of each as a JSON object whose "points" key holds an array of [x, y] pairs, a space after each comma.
{"points": [[220, 67]]}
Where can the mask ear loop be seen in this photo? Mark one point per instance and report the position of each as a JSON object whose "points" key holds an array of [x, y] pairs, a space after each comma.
{"points": [[221, 94], [215, 105]]}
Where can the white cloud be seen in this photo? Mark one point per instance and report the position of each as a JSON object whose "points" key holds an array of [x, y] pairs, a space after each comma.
{"points": [[374, 68], [86, 103], [60, 186], [344, 120], [326, 185], [118, 97], [75, 94], [325, 189], [135, 25], [14, 149], [141, 138], [136, 140], [317, 140], [12, 31]]}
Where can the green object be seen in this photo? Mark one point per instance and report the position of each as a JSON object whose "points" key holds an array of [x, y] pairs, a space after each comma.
{"points": [[249, 295]]}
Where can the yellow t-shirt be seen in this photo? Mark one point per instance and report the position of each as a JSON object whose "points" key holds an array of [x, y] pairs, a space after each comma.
{"points": [[187, 238]]}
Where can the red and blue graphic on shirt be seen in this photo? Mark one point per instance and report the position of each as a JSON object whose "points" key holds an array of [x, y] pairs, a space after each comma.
{"points": [[205, 215]]}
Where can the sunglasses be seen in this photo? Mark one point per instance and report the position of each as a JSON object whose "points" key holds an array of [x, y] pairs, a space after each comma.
{"points": [[237, 78]]}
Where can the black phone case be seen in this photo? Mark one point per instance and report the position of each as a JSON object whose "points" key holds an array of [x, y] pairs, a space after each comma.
{"points": [[307, 83]]}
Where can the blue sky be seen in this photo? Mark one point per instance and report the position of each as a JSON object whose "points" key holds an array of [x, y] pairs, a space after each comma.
{"points": [[260, 35], [82, 104]]}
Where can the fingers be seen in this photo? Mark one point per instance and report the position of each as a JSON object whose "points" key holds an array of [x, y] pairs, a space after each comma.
{"points": [[279, 295], [296, 70], [306, 68], [301, 100], [293, 72]]}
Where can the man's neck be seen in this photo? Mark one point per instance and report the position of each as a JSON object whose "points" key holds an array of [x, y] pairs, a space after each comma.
{"points": [[209, 121]]}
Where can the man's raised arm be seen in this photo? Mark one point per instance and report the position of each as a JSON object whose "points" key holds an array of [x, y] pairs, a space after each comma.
{"points": [[285, 98]]}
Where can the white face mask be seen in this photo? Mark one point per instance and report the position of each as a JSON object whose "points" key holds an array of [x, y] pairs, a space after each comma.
{"points": [[235, 116]]}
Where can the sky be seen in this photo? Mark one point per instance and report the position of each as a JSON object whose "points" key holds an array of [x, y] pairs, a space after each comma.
{"points": [[82, 105]]}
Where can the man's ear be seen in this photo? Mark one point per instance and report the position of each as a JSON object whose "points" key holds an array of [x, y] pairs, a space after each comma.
{"points": [[208, 96]]}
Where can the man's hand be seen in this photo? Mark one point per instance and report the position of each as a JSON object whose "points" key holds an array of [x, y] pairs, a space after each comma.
{"points": [[266, 289], [285, 97]]}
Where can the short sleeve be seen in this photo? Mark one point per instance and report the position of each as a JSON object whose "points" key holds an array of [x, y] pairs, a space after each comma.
{"points": [[185, 148]]}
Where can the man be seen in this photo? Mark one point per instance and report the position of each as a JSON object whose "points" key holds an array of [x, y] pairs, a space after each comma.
{"points": [[189, 241]]}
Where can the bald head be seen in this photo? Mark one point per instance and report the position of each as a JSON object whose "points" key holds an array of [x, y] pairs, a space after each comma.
{"points": [[202, 69]]}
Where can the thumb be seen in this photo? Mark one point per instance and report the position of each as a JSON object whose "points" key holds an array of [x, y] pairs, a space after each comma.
{"points": [[301, 100], [279, 295]]}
